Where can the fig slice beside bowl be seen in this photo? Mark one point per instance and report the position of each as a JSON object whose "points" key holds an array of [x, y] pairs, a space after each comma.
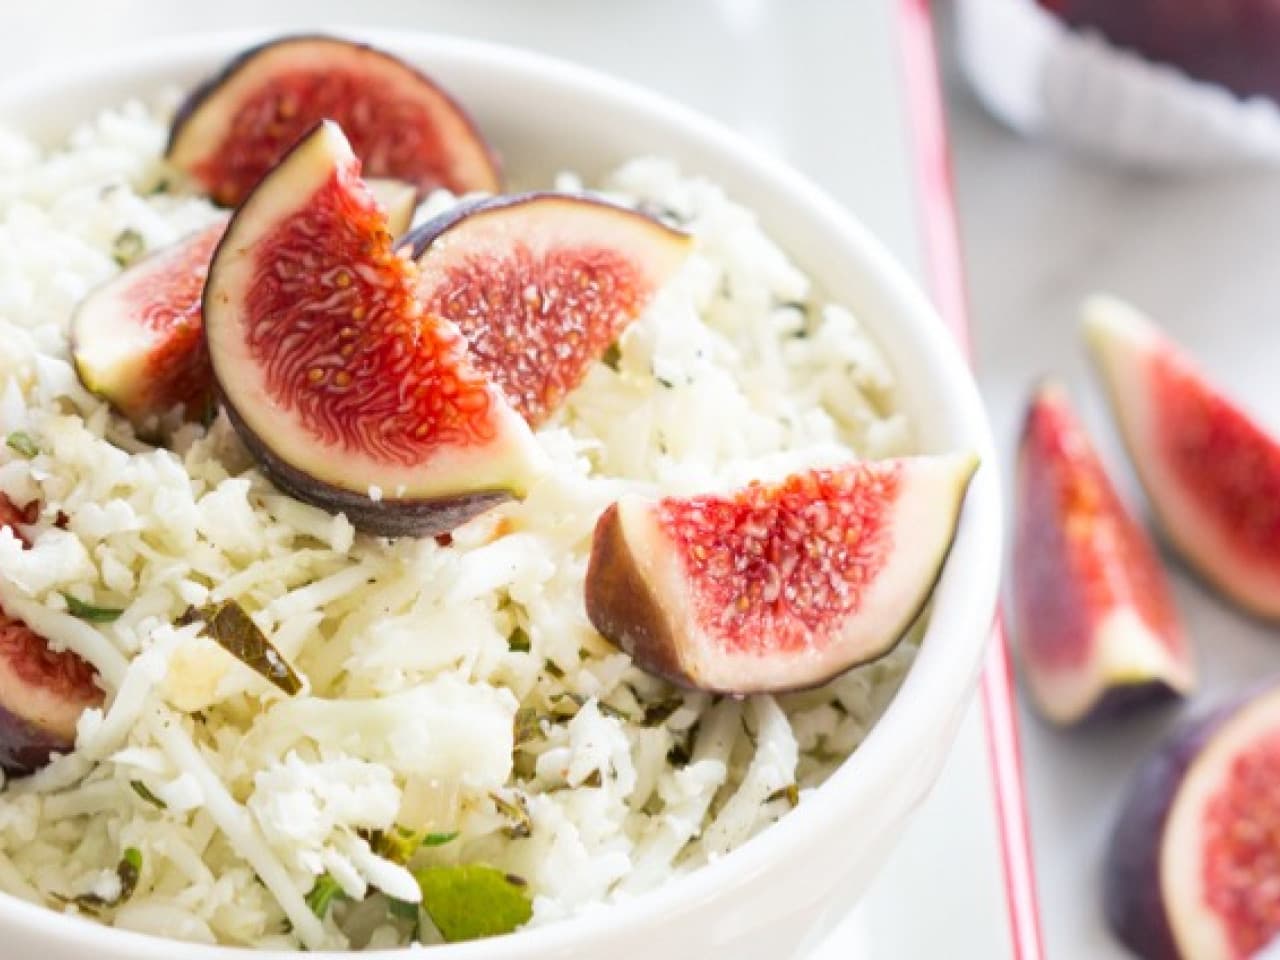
{"points": [[542, 284], [1096, 625], [349, 395], [778, 586], [236, 126], [137, 340], [1193, 869], [1211, 471]]}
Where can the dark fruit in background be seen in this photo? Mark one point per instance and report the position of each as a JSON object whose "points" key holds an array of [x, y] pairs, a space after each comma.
{"points": [[1210, 471], [347, 392], [1096, 627], [136, 340], [238, 125], [42, 693], [542, 285], [1193, 870], [778, 586], [1235, 43]]}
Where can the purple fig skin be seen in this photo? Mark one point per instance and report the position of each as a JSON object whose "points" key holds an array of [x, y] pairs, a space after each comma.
{"points": [[420, 238], [1118, 704], [386, 518], [1132, 896], [26, 747]]}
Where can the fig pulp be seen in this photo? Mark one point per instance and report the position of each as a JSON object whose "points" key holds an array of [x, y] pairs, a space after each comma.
{"points": [[137, 341], [42, 693], [777, 586], [1193, 869], [542, 285], [1211, 472], [238, 125], [1096, 625], [349, 394]]}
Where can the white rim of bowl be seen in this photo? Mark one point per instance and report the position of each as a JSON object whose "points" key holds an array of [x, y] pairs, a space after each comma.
{"points": [[968, 610]]}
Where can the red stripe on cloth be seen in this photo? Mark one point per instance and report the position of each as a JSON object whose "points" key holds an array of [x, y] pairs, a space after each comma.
{"points": [[944, 263]]}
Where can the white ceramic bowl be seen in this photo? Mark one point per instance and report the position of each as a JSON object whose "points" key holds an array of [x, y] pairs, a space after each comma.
{"points": [[780, 892]]}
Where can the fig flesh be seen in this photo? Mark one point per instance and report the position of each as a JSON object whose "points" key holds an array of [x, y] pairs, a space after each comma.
{"points": [[238, 125], [1211, 472], [42, 693], [778, 586], [1193, 869], [398, 200], [542, 284], [350, 396], [1096, 624], [136, 340]]}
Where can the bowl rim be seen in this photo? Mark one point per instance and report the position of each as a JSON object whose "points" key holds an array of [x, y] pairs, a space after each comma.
{"points": [[943, 673]]}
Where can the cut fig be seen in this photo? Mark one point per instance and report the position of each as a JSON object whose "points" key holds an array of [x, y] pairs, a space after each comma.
{"points": [[137, 339], [542, 284], [777, 586], [42, 693], [238, 125], [1193, 870], [1211, 472], [398, 200], [350, 396], [1096, 624]]}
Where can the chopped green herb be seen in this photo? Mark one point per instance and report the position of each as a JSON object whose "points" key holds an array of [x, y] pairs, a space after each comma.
{"points": [[21, 443], [606, 709], [473, 901], [87, 611], [656, 714], [612, 357], [679, 756], [399, 844], [519, 641], [517, 812], [128, 870], [230, 625], [789, 793], [322, 895], [141, 790], [127, 247], [439, 839], [526, 725], [669, 384], [553, 668]]}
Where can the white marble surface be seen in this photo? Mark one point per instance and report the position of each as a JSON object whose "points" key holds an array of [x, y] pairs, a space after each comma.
{"points": [[818, 82], [1041, 229]]}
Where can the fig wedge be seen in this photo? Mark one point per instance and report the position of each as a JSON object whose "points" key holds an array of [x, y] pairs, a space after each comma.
{"points": [[349, 395], [42, 693], [1211, 472], [1193, 870], [778, 586], [136, 340], [1097, 629], [542, 284], [235, 127]]}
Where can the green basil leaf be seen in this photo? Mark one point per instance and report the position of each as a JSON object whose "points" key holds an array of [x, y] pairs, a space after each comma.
{"points": [[473, 901]]}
